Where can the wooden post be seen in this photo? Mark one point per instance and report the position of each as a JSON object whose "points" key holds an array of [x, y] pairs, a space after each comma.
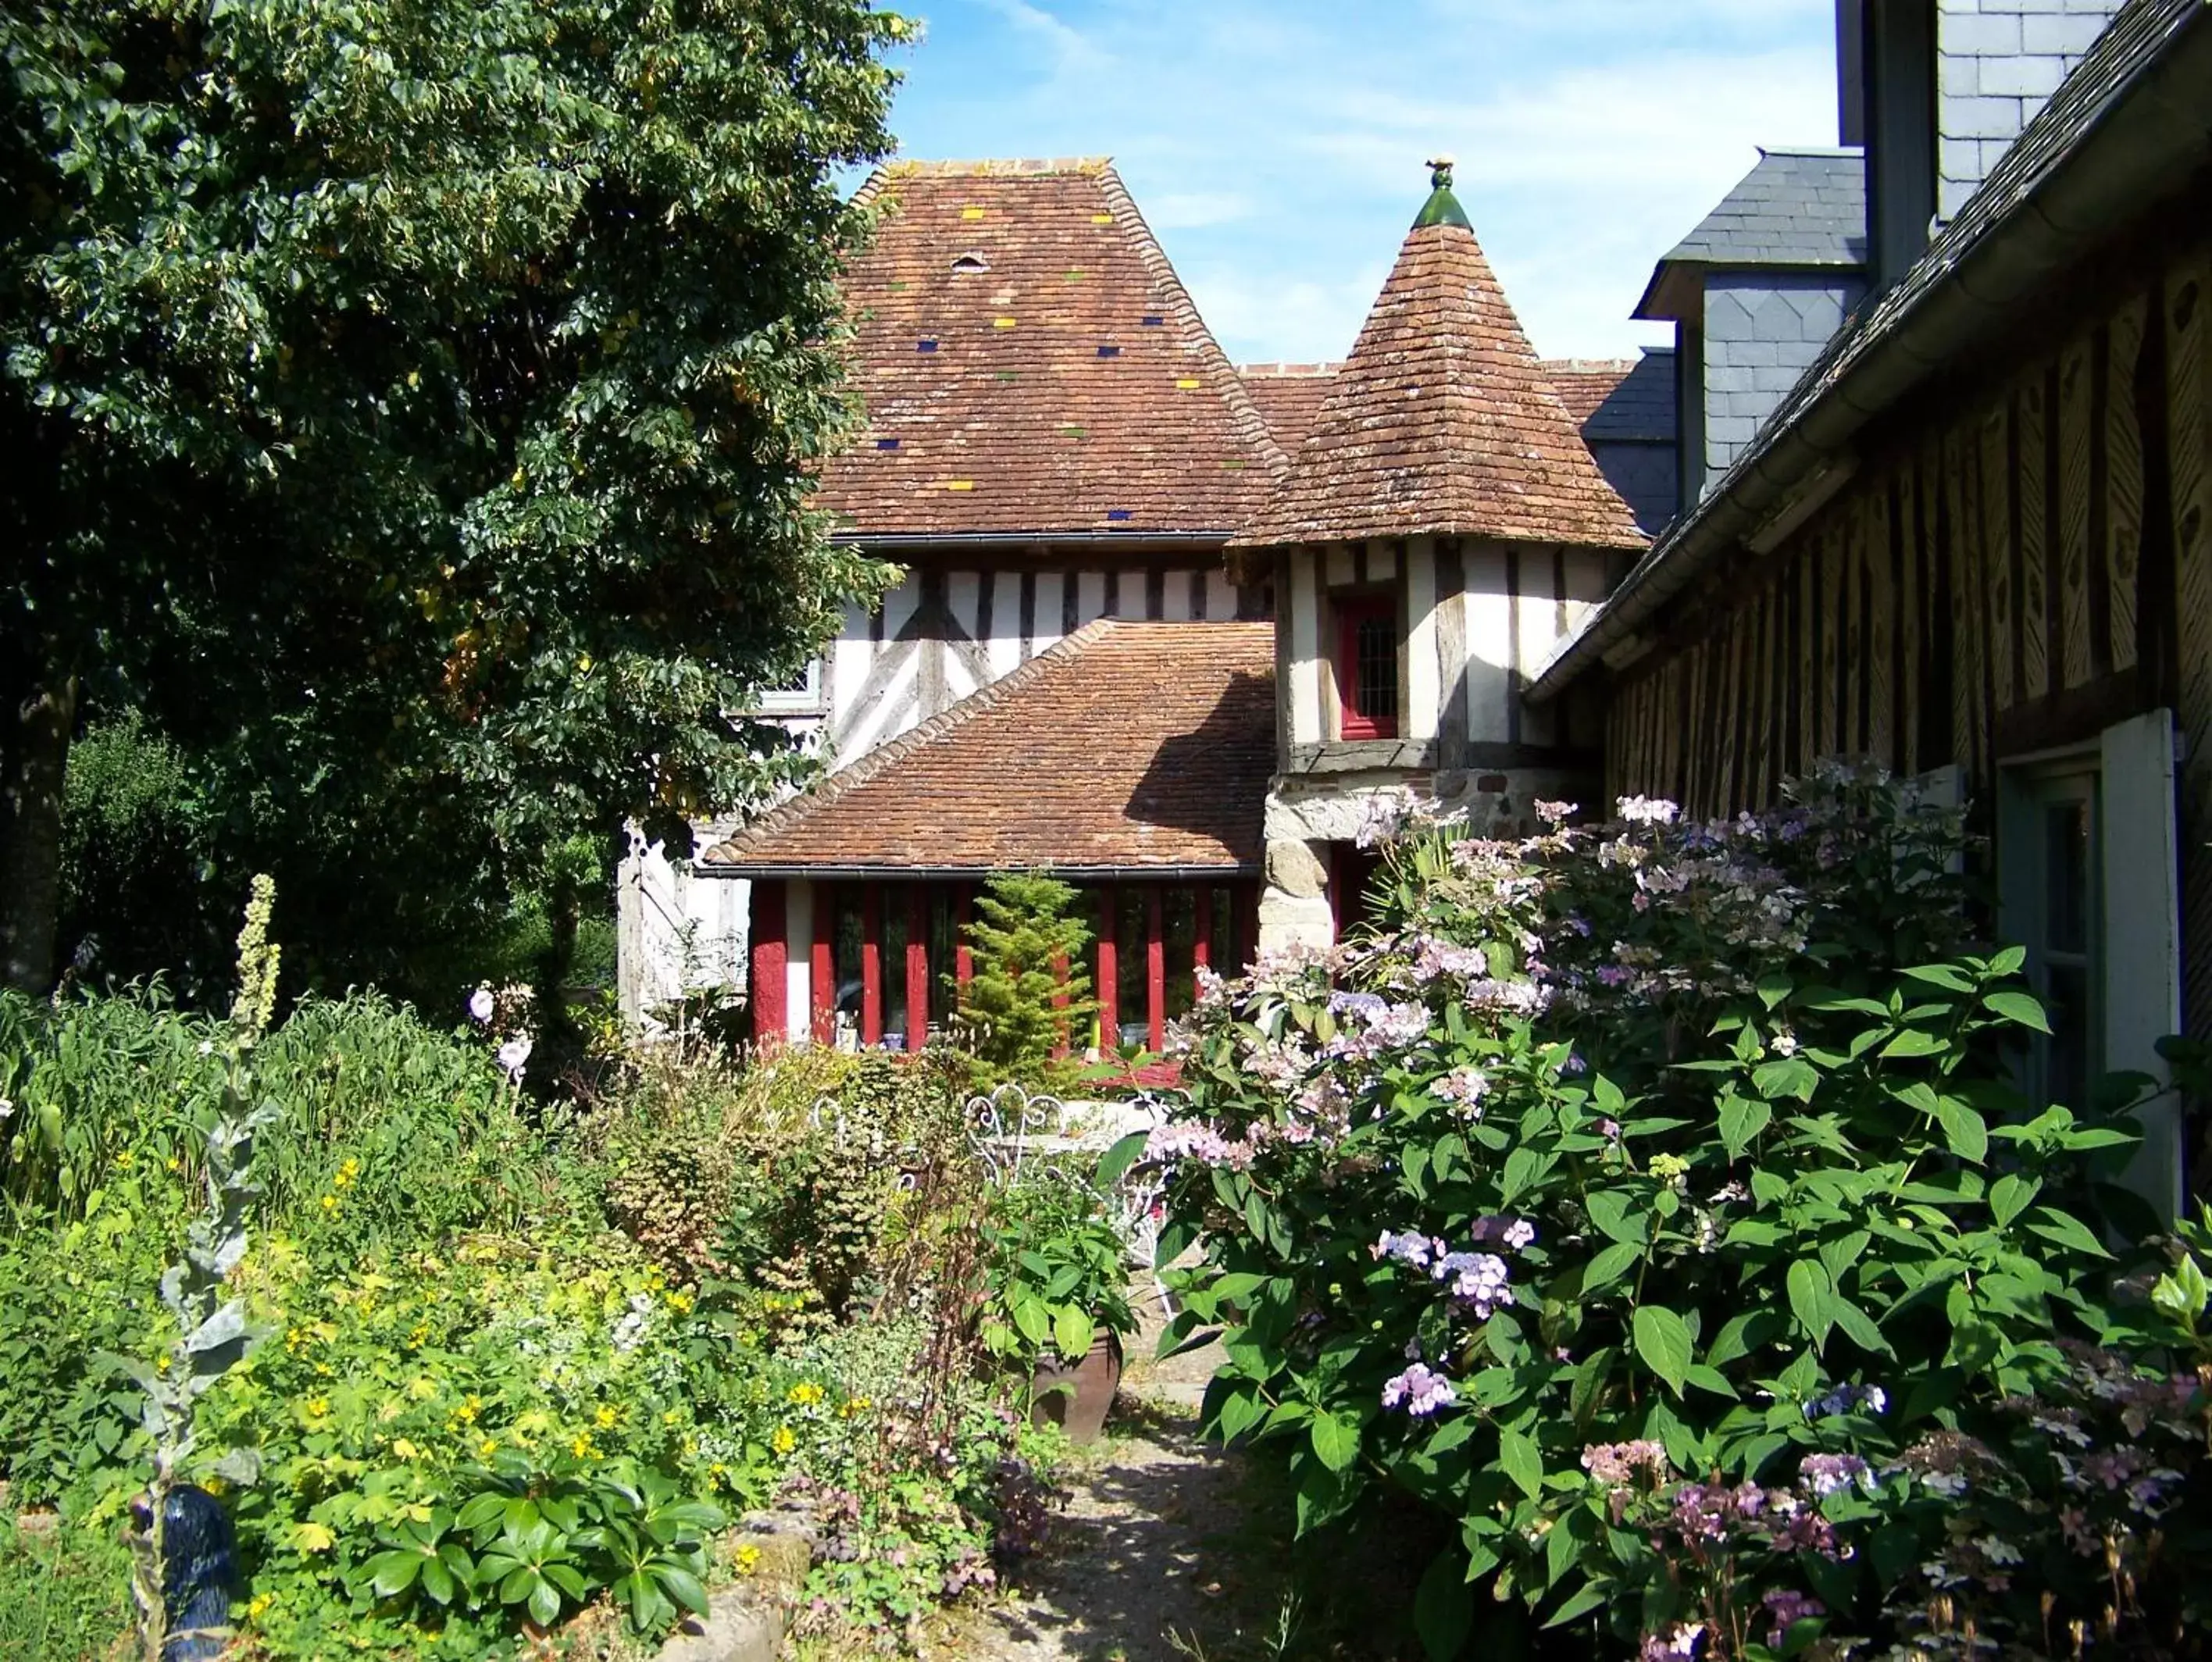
{"points": [[1247, 926], [768, 985], [1201, 937], [1109, 973], [872, 963], [917, 966], [1156, 973], [963, 955], [824, 977]]}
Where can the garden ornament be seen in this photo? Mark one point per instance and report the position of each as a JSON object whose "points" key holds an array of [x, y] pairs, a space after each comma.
{"points": [[199, 1572]]}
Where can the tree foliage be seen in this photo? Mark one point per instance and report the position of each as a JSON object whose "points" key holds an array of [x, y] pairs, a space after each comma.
{"points": [[1028, 997], [412, 407]]}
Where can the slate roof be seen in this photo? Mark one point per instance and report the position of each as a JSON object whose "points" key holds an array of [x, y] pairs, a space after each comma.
{"points": [[1794, 208], [2003, 217], [1030, 363], [1126, 746], [1617, 398], [1442, 422], [1289, 395]]}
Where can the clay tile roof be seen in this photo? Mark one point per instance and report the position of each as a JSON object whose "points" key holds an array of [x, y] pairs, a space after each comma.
{"points": [[1583, 384], [1442, 422], [1030, 363], [1289, 395], [1126, 746]]}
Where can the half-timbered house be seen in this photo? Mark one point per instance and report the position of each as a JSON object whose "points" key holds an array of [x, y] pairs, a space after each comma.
{"points": [[1974, 543], [1440, 527]]}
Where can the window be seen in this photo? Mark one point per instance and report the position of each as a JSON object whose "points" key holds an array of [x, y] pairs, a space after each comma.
{"points": [[2087, 880], [2053, 862], [1367, 666], [801, 696]]}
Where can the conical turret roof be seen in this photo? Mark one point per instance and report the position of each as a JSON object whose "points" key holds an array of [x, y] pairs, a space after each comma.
{"points": [[1442, 421]]}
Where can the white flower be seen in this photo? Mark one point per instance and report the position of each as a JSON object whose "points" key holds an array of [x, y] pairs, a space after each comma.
{"points": [[480, 1005], [512, 1054]]}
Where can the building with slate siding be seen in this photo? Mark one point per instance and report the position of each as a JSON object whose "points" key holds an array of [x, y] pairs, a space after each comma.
{"points": [[1071, 674], [1973, 539]]}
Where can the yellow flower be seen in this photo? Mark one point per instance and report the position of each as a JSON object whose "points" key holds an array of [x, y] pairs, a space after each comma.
{"points": [[313, 1538], [583, 1448], [858, 1405], [177, 1165], [748, 1558], [680, 1303], [330, 1204], [807, 1394], [716, 1472], [607, 1417], [349, 1171], [405, 1450], [318, 1407], [783, 1442], [487, 1447], [654, 1281], [123, 1161], [468, 1410], [257, 1606], [161, 1364], [418, 1338]]}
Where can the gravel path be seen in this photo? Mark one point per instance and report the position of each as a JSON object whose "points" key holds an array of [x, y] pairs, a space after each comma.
{"points": [[1154, 1557]]}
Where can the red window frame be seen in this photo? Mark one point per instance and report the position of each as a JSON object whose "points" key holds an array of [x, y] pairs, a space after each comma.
{"points": [[1352, 721]]}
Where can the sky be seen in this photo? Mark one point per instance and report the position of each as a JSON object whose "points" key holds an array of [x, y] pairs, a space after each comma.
{"points": [[1276, 146]]}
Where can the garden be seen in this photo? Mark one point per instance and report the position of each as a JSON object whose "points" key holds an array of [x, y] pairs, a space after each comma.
{"points": [[1634, 1238]]}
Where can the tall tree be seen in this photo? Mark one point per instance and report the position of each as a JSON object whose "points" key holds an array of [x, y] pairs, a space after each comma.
{"points": [[411, 404]]}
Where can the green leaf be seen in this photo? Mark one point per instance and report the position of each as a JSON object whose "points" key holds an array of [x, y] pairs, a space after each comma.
{"points": [[1741, 1120], [1609, 1263], [1965, 1131], [1791, 1076], [1911, 1042], [2009, 1196], [2021, 1009], [1609, 1210], [1811, 1299], [1117, 1160], [1582, 1603], [1949, 977], [683, 1586], [1662, 1341], [1071, 1331], [393, 1573], [1521, 1460], [2066, 1229], [1336, 1440], [1030, 1316], [544, 1602], [1443, 1606]]}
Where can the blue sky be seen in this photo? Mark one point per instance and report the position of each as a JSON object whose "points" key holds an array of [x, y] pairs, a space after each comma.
{"points": [[1276, 145]]}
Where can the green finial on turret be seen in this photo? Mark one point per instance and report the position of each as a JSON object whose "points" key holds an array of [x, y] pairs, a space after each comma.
{"points": [[1443, 207]]}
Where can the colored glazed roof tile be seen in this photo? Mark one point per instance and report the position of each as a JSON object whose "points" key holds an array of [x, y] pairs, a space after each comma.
{"points": [[1125, 747], [1442, 422], [1019, 328]]}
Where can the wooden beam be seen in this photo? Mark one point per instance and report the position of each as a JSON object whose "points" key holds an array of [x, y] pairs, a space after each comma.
{"points": [[768, 985], [824, 981], [917, 966], [1110, 972], [1156, 972], [964, 954], [872, 963], [1201, 940]]}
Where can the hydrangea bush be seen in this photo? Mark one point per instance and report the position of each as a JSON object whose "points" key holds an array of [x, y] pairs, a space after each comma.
{"points": [[1647, 1198]]}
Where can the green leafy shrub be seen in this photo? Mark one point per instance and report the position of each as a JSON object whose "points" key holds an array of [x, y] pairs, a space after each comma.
{"points": [[1057, 1266], [64, 1592], [1642, 1198]]}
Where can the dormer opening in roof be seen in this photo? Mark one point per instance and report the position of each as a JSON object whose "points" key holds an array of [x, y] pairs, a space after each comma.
{"points": [[970, 264], [1443, 207]]}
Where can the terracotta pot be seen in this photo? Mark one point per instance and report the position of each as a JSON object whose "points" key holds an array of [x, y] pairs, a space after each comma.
{"points": [[1080, 1411]]}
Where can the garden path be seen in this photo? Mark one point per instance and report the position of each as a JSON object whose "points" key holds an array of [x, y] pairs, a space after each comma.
{"points": [[1156, 1555]]}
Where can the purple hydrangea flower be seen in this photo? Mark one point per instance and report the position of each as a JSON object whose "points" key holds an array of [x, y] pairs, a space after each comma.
{"points": [[1420, 1389]]}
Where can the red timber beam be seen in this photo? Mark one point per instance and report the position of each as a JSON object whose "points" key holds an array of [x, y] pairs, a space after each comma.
{"points": [[821, 982], [917, 966], [768, 984], [872, 963], [1156, 973], [1110, 972], [1201, 941], [963, 955]]}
